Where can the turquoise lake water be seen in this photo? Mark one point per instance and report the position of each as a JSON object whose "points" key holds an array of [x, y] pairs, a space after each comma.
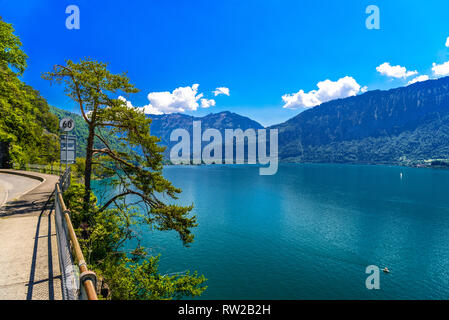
{"points": [[310, 231]]}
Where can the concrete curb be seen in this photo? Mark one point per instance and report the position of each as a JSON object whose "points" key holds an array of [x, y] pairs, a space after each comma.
{"points": [[24, 174]]}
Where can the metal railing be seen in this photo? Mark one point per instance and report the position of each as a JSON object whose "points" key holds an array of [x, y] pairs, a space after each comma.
{"points": [[74, 286], [42, 168]]}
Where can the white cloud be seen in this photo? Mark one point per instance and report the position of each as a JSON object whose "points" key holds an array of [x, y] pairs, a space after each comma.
{"points": [[447, 42], [327, 90], [206, 103], [418, 79], [221, 90], [440, 69], [394, 71], [364, 89], [180, 100]]}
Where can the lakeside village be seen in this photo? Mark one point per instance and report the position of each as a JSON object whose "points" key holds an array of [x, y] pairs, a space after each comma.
{"points": [[428, 163]]}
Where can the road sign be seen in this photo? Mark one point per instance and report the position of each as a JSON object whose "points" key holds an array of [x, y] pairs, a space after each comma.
{"points": [[67, 124], [68, 149]]}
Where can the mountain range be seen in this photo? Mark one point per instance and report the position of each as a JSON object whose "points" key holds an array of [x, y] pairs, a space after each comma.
{"points": [[163, 125], [400, 125]]}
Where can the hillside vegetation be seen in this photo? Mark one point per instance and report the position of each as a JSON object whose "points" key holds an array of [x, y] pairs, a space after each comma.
{"points": [[81, 132], [26, 122]]}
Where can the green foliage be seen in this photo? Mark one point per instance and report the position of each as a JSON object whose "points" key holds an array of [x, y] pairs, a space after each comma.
{"points": [[25, 120], [26, 123], [73, 199], [137, 173], [141, 281], [10, 53], [129, 274], [78, 168], [129, 158], [81, 132]]}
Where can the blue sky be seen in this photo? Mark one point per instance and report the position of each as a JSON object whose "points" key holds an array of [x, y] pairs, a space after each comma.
{"points": [[259, 50]]}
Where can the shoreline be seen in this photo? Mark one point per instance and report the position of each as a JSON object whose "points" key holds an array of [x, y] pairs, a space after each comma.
{"points": [[423, 165]]}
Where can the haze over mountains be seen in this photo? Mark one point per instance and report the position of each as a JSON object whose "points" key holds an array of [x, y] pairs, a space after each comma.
{"points": [[404, 124]]}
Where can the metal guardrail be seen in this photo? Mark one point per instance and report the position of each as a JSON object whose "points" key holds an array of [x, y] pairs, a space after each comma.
{"points": [[74, 287]]}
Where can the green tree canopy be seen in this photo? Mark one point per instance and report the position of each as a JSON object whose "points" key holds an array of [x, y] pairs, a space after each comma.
{"points": [[135, 172], [25, 120], [11, 53]]}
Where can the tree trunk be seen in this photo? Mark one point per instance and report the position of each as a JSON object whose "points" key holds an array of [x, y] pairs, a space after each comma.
{"points": [[88, 169]]}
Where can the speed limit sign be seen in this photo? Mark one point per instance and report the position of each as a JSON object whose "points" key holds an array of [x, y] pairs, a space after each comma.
{"points": [[66, 124]]}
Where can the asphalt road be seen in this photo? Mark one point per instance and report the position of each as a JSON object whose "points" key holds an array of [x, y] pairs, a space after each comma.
{"points": [[13, 186], [29, 262]]}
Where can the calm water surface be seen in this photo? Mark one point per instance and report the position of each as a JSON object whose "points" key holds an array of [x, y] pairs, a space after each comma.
{"points": [[310, 231]]}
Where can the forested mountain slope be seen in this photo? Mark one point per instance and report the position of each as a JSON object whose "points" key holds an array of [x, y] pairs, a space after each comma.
{"points": [[391, 126]]}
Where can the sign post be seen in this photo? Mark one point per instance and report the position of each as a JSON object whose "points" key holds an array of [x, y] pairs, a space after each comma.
{"points": [[67, 125]]}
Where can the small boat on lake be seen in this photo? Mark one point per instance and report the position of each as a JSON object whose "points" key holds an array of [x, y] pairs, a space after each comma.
{"points": [[386, 270]]}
